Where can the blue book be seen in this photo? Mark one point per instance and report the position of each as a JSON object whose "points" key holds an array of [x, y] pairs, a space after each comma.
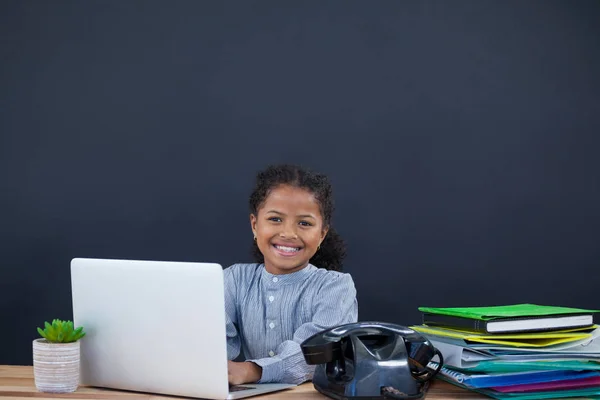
{"points": [[474, 381], [587, 393]]}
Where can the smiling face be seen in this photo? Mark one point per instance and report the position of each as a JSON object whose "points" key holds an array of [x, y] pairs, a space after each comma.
{"points": [[288, 229]]}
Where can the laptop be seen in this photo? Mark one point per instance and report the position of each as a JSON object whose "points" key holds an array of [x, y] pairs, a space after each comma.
{"points": [[155, 327]]}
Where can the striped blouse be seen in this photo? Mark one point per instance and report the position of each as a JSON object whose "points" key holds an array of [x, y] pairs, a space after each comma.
{"points": [[268, 316]]}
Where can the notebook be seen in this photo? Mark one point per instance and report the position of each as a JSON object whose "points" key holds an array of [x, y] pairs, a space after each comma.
{"points": [[155, 327], [528, 339], [508, 379], [509, 318]]}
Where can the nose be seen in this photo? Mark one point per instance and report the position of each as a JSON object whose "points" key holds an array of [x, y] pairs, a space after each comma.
{"points": [[288, 231]]}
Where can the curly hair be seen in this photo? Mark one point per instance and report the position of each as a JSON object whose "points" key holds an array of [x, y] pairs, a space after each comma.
{"points": [[333, 249]]}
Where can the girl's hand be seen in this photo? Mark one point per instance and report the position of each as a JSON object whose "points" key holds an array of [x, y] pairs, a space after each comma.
{"points": [[243, 372]]}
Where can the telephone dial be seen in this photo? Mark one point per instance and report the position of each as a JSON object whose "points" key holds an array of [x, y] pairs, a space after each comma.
{"points": [[371, 360]]}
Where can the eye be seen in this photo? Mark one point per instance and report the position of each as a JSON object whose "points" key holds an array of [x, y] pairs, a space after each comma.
{"points": [[305, 223], [274, 219]]}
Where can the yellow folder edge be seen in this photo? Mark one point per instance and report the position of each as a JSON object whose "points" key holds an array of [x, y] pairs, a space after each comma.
{"points": [[538, 339]]}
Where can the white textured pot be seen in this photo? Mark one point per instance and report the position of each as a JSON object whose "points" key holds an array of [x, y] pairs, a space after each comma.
{"points": [[55, 366]]}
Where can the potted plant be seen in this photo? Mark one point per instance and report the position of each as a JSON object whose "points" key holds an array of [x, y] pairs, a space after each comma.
{"points": [[56, 357]]}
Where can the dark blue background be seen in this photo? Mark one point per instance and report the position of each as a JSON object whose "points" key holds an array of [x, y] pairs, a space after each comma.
{"points": [[461, 137]]}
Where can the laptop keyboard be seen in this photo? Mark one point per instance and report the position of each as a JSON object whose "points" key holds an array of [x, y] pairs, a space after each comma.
{"points": [[237, 388]]}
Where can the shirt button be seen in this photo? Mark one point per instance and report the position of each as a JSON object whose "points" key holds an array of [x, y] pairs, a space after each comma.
{"points": [[271, 353], [272, 325], [271, 298], [275, 279]]}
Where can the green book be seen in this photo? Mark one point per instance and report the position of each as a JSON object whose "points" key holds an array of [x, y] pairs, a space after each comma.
{"points": [[509, 318]]}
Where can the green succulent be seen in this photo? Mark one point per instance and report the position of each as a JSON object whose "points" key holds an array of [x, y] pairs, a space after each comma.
{"points": [[61, 332]]}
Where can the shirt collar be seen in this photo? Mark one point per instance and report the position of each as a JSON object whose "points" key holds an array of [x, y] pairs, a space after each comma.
{"points": [[286, 279]]}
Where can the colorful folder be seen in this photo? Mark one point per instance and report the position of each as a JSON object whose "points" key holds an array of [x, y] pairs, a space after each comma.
{"points": [[539, 339]]}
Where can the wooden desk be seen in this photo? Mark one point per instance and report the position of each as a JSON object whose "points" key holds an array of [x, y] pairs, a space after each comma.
{"points": [[17, 382]]}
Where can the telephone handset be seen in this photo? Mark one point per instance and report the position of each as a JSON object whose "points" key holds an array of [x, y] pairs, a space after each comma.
{"points": [[371, 360]]}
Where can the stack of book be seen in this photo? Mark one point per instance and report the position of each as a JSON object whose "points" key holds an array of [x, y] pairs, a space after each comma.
{"points": [[521, 351]]}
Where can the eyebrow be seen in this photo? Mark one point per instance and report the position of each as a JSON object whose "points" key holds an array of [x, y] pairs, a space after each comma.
{"points": [[300, 216]]}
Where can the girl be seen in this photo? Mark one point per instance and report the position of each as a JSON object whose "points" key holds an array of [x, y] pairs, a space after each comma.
{"points": [[294, 289]]}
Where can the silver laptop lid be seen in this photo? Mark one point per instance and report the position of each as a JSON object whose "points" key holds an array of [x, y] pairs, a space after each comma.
{"points": [[151, 326]]}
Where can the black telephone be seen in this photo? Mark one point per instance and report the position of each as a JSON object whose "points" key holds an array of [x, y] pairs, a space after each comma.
{"points": [[371, 360]]}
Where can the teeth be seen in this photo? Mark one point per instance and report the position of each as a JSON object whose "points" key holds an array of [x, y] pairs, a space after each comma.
{"points": [[288, 249]]}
